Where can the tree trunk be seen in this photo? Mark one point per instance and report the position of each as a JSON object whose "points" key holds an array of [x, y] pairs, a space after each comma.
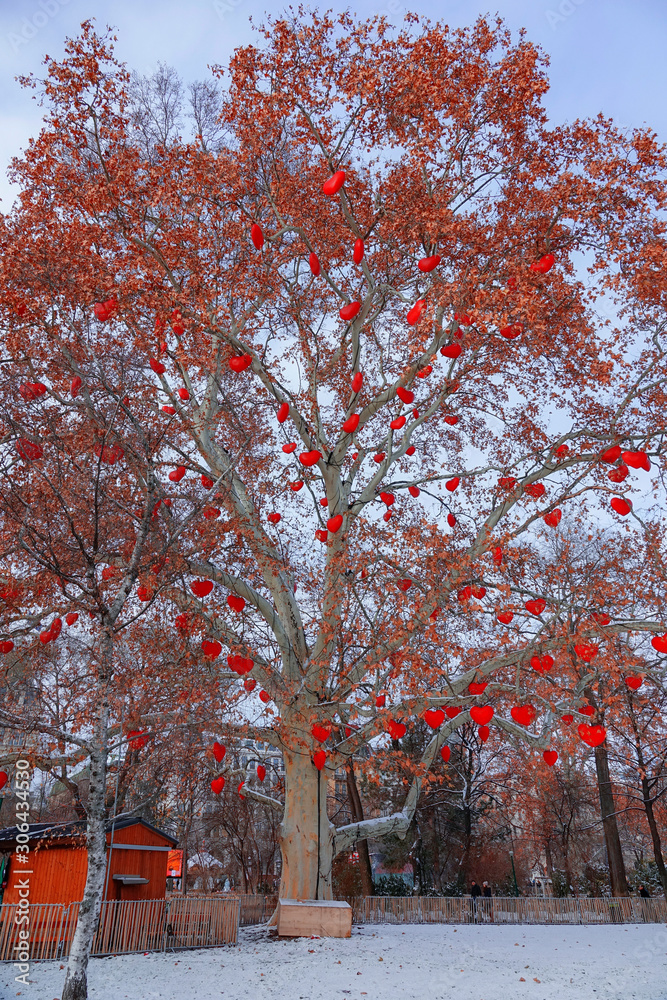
{"points": [[619, 882], [306, 845], [357, 814], [76, 978], [655, 836]]}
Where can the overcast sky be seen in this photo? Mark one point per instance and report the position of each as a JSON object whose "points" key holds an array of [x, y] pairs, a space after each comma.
{"points": [[606, 55]]}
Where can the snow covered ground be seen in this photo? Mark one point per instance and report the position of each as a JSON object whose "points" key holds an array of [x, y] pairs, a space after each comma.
{"points": [[380, 962]]}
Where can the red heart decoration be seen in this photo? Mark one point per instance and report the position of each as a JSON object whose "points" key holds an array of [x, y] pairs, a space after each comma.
{"points": [[505, 617], [182, 621], [358, 252], [283, 413], [351, 424], [611, 455], [452, 484], [434, 717], [314, 264], [415, 314], [478, 592], [567, 720], [289, 448], [586, 651], [551, 756], [169, 409], [295, 487], [659, 643], [406, 395], [211, 648], [404, 585], [451, 420], [451, 351], [239, 364], [600, 617], [536, 607], [184, 394], [619, 474], [75, 385], [144, 594], [201, 588], [177, 474], [334, 184], [257, 236], [483, 732], [321, 733], [587, 710], [319, 759], [397, 423], [28, 450], [219, 751], [507, 482], [349, 311], [250, 684], [478, 687], [264, 696], [357, 382], [410, 450], [379, 458], [157, 366], [635, 459], [6, 646], [334, 523], [211, 513], [464, 594], [427, 264], [32, 390], [542, 663], [452, 711], [381, 701], [534, 490], [206, 482], [553, 518], [511, 331], [594, 736], [396, 730], [261, 772], [387, 498], [273, 518], [445, 753], [524, 715], [414, 491], [481, 714], [544, 264], [236, 603], [497, 555], [634, 683], [621, 506], [217, 785], [451, 520], [425, 372], [321, 534], [309, 458]]}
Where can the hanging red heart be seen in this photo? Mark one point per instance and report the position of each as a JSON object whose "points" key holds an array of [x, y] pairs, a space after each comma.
{"points": [[46, 636], [414, 491], [319, 759], [534, 490], [425, 372], [452, 484], [535, 607], [201, 588], [334, 523], [380, 701], [586, 651], [553, 517], [348, 732], [217, 785], [321, 534], [434, 717], [240, 363], [404, 585], [379, 458], [405, 394], [410, 450], [182, 621], [483, 732], [211, 513], [144, 594], [567, 720], [415, 314], [445, 753], [386, 516], [75, 385], [507, 482], [387, 498], [236, 603], [321, 733], [314, 264], [511, 331], [498, 555], [273, 518], [600, 618], [357, 382], [283, 413], [171, 410], [451, 351], [348, 312], [295, 487], [619, 474], [451, 520], [396, 730], [250, 684], [264, 696], [206, 482], [261, 772], [257, 236], [587, 710], [659, 643], [464, 594], [157, 366], [505, 617], [28, 450], [397, 423], [219, 751], [32, 390], [184, 394], [177, 474], [71, 617], [427, 264], [452, 711], [621, 506], [478, 687], [358, 252], [481, 714], [478, 592], [351, 424], [211, 648], [542, 663], [309, 458], [594, 736], [550, 756], [635, 459], [523, 715], [463, 318], [634, 683], [289, 448], [6, 646], [544, 264], [611, 455], [334, 184]]}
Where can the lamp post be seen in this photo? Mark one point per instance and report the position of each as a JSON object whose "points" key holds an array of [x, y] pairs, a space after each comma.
{"points": [[516, 887]]}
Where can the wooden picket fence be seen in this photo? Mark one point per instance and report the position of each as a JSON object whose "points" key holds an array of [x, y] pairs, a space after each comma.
{"points": [[256, 909], [125, 926], [505, 910]]}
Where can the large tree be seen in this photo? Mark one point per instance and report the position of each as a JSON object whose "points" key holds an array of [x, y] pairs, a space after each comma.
{"points": [[372, 310]]}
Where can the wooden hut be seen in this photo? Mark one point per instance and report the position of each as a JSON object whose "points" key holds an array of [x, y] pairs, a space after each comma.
{"points": [[136, 861]]}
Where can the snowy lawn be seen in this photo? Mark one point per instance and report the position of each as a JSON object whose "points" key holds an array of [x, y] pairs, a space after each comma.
{"points": [[381, 962]]}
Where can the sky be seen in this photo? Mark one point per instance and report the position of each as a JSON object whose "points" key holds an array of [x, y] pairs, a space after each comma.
{"points": [[606, 55]]}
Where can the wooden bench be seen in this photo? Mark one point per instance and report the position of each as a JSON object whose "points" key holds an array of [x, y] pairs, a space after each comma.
{"points": [[305, 917]]}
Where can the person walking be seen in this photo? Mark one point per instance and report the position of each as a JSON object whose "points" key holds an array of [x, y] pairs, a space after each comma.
{"points": [[487, 896], [475, 893], [644, 894]]}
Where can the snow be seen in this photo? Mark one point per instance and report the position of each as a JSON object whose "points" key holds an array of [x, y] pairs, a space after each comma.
{"points": [[388, 962]]}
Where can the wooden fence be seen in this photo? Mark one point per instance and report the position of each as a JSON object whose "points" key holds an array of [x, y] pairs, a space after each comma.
{"points": [[256, 909], [505, 910], [125, 926]]}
